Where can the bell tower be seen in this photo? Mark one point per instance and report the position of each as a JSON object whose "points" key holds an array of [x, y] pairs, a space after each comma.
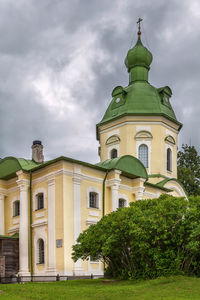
{"points": [[140, 120]]}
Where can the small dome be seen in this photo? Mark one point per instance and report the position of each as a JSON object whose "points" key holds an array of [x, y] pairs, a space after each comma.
{"points": [[138, 56]]}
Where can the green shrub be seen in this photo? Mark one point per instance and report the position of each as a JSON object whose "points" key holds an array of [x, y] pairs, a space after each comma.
{"points": [[150, 238]]}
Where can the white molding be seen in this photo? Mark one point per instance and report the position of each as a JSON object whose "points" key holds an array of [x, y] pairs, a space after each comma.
{"points": [[68, 173], [13, 229], [95, 190], [166, 171], [41, 222], [111, 147], [114, 132], [51, 224], [148, 144], [13, 190], [16, 221], [40, 214], [136, 123], [34, 197], [40, 233], [124, 197], [125, 187], [93, 213], [150, 194], [143, 128], [91, 221], [2, 220]]}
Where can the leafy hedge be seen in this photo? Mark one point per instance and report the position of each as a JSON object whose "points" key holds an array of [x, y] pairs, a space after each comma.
{"points": [[150, 238]]}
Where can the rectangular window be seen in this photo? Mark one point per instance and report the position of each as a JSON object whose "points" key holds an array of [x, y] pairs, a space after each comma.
{"points": [[40, 201], [93, 200], [122, 202], [16, 208]]}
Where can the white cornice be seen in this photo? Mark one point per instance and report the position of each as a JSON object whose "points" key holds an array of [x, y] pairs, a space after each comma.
{"points": [[139, 122], [68, 173]]}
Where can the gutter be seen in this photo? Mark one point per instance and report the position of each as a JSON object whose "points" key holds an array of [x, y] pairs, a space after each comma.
{"points": [[31, 230]]}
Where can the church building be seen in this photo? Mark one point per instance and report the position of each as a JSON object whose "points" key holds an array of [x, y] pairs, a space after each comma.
{"points": [[47, 204]]}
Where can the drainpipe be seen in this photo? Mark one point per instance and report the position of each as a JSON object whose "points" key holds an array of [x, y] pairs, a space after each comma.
{"points": [[103, 194], [31, 231]]}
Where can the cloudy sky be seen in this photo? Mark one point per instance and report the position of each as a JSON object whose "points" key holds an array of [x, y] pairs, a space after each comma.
{"points": [[61, 59]]}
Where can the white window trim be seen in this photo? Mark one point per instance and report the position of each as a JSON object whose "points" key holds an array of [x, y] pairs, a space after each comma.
{"points": [[16, 198], [111, 148], [36, 192], [40, 234], [148, 144], [93, 189], [124, 197], [171, 148]]}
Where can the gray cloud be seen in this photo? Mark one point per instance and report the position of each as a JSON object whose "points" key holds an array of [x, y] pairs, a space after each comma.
{"points": [[60, 60]]}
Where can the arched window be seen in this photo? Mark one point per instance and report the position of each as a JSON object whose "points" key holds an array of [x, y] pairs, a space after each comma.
{"points": [[16, 208], [169, 159], [93, 200], [40, 251], [122, 202], [113, 153], [40, 201], [143, 155]]}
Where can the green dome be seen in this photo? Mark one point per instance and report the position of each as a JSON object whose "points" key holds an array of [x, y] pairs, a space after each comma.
{"points": [[138, 56], [139, 98]]}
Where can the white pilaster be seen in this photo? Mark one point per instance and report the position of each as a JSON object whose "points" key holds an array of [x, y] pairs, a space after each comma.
{"points": [[114, 196], [2, 224], [51, 225], [23, 228], [78, 270], [139, 190]]}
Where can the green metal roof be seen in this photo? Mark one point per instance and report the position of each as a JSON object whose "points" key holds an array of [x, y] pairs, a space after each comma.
{"points": [[10, 165], [129, 165], [139, 97]]}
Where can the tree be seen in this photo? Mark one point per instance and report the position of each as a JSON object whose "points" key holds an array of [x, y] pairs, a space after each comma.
{"points": [[150, 238], [189, 169]]}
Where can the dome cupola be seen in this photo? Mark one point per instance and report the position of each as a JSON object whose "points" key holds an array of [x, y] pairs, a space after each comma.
{"points": [[138, 60]]}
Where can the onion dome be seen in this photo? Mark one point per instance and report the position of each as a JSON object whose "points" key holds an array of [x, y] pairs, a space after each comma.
{"points": [[138, 56], [138, 60]]}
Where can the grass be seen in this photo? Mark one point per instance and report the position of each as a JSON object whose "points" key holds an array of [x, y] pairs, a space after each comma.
{"points": [[175, 287]]}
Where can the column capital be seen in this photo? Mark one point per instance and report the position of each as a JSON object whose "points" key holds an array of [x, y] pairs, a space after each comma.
{"points": [[3, 193], [23, 184], [114, 183], [51, 180]]}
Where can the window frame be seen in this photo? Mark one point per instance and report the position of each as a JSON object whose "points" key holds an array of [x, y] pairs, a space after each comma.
{"points": [[94, 189], [114, 150], [41, 252], [169, 159], [146, 165], [96, 200], [39, 206], [16, 208]]}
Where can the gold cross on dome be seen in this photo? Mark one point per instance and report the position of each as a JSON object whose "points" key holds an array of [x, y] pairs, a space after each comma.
{"points": [[138, 22]]}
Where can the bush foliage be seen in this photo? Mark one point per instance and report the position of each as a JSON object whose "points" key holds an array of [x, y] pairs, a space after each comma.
{"points": [[150, 238]]}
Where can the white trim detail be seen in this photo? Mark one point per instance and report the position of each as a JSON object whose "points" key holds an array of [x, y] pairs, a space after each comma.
{"points": [[39, 223], [143, 128], [124, 197], [166, 171], [13, 229], [93, 213], [114, 132], [136, 122], [23, 227], [91, 221], [148, 144], [95, 190], [111, 147], [51, 225], [2, 221], [34, 199], [40, 233], [78, 270]]}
